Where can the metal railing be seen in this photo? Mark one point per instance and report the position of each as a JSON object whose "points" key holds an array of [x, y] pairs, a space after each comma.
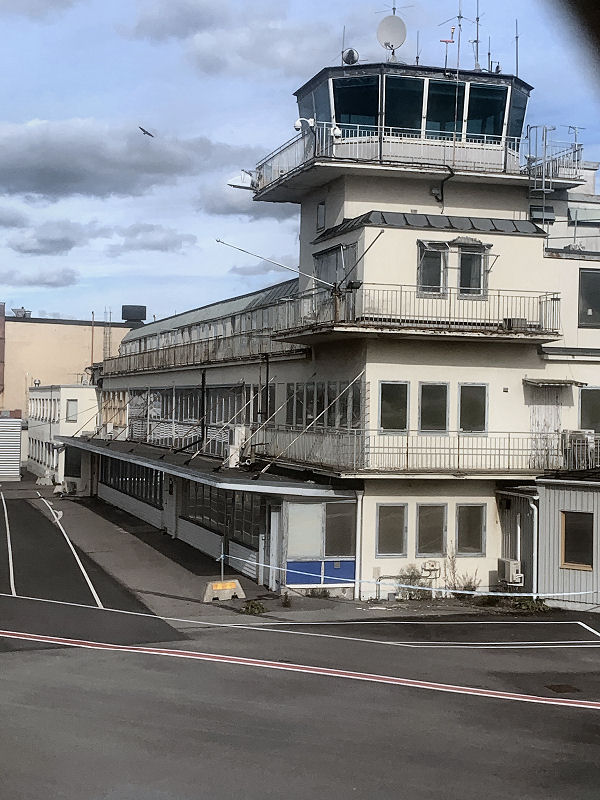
{"points": [[222, 348], [466, 311], [453, 452], [461, 151]]}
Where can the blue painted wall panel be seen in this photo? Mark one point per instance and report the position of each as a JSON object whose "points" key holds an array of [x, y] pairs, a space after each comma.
{"points": [[296, 569], [339, 571]]}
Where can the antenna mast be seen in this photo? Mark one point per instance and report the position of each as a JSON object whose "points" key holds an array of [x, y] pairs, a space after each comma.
{"points": [[418, 51], [517, 48], [477, 65]]}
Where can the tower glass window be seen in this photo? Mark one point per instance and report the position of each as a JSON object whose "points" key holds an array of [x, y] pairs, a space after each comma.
{"points": [[445, 106], [356, 101], [404, 104], [485, 118], [516, 117]]}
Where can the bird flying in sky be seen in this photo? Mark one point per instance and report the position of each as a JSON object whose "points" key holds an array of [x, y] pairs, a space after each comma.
{"points": [[145, 132]]}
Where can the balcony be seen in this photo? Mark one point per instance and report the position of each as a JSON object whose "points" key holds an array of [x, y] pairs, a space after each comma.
{"points": [[220, 349], [502, 314], [368, 451], [417, 150]]}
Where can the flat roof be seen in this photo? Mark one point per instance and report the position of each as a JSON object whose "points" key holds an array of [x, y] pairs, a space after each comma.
{"points": [[52, 321]]}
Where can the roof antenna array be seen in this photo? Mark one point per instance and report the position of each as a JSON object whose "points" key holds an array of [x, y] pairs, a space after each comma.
{"points": [[391, 34]]}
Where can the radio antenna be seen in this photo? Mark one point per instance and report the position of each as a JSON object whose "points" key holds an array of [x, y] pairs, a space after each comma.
{"points": [[517, 48]]}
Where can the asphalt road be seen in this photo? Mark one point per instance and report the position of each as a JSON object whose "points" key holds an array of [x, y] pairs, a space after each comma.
{"points": [[102, 723]]}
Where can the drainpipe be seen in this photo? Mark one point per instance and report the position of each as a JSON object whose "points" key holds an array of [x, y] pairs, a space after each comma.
{"points": [[358, 558], [534, 579]]}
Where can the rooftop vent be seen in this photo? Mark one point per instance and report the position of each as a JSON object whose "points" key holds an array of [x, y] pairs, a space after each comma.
{"points": [[22, 312]]}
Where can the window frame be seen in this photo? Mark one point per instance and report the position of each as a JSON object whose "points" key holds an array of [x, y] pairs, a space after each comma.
{"points": [[443, 248], [482, 292], [420, 553], [403, 554], [427, 431], [70, 417], [321, 214], [581, 392], [482, 552], [394, 430], [569, 564], [486, 409], [580, 324]]}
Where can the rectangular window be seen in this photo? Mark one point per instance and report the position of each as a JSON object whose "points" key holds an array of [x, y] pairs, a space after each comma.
{"points": [[431, 272], [470, 526], [577, 546], [356, 101], [331, 265], [473, 406], [590, 410], [433, 407], [471, 272], [404, 104], [393, 415], [71, 413], [321, 216], [340, 529], [589, 298], [445, 109], [431, 530], [486, 112], [391, 530]]}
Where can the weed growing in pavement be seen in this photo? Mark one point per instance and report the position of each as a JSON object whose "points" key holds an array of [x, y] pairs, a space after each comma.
{"points": [[322, 593], [253, 607], [528, 604], [286, 601]]}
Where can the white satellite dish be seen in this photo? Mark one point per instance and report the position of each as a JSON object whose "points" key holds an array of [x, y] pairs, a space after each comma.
{"points": [[391, 32]]}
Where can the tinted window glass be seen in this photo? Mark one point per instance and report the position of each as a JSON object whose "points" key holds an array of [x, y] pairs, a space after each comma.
{"points": [[321, 103], [472, 408], [486, 111], [445, 108], [403, 103], [589, 298], [434, 398], [391, 530], [590, 409], [340, 529], [578, 538], [356, 100], [518, 105], [394, 406], [469, 533], [430, 530]]}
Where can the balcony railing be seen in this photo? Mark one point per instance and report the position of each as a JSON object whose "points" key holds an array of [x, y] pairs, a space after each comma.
{"points": [[373, 451], [413, 148], [220, 349], [496, 312]]}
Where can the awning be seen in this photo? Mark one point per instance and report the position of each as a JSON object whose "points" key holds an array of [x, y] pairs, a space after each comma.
{"points": [[553, 382]]}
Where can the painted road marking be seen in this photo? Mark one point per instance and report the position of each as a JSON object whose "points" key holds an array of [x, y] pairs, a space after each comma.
{"points": [[302, 668], [56, 519], [11, 568], [265, 628]]}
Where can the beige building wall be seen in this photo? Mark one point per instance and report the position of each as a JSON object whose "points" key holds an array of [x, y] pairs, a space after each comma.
{"points": [[51, 351]]}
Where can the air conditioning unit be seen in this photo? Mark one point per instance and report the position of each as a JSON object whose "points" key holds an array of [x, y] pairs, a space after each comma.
{"points": [[516, 324], [509, 571], [579, 449]]}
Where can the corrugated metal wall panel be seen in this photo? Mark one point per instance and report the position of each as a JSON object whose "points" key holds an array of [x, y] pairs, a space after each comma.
{"points": [[10, 449], [553, 577]]}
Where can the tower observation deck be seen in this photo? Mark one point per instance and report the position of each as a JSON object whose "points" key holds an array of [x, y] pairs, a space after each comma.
{"points": [[424, 120]]}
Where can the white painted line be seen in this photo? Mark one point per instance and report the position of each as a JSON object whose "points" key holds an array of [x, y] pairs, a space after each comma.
{"points": [[589, 628], [11, 568], [56, 519], [303, 668]]}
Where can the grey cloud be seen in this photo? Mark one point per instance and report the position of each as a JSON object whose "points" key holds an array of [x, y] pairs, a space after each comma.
{"points": [[51, 279], [145, 236], [11, 218], [56, 238], [226, 201], [35, 9], [263, 267], [60, 159]]}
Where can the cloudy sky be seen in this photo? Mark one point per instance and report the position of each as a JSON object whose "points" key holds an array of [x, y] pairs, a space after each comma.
{"points": [[94, 214]]}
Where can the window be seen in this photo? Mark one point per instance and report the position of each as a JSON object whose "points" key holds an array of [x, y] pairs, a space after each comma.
{"points": [[331, 265], [577, 545], [356, 101], [431, 273], [320, 216], [393, 414], [590, 410], [589, 298], [71, 414], [516, 117], [445, 109], [470, 526], [404, 104], [431, 530], [391, 530], [321, 530], [486, 112], [473, 407], [471, 272], [340, 529], [140, 482], [433, 407]]}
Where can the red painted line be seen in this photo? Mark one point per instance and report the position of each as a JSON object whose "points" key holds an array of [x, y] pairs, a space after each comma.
{"points": [[303, 668]]}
